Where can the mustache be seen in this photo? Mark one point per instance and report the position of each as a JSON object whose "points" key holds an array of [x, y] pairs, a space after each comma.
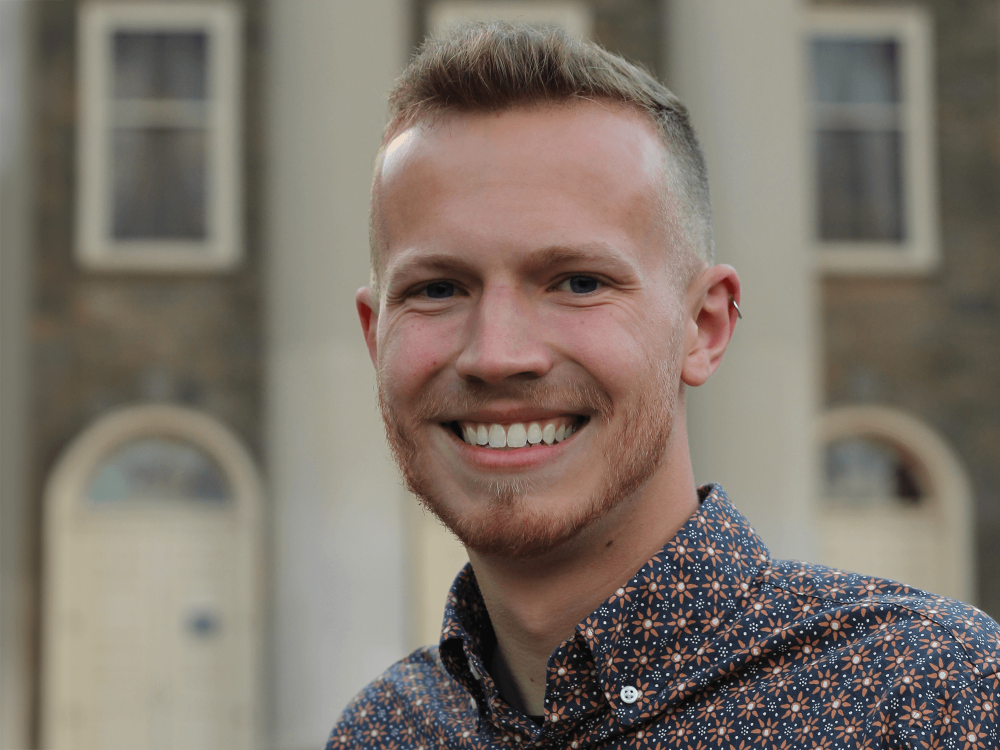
{"points": [[462, 397]]}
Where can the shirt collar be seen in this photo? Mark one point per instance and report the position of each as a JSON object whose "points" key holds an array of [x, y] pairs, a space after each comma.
{"points": [[669, 609]]}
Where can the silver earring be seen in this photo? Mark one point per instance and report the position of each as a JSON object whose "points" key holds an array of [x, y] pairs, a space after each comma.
{"points": [[738, 313]]}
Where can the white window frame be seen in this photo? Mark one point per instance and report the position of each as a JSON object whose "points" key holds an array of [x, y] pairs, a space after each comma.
{"points": [[222, 247], [572, 16], [919, 252]]}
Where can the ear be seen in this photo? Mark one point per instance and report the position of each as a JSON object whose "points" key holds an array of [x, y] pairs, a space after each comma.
{"points": [[710, 322], [368, 314]]}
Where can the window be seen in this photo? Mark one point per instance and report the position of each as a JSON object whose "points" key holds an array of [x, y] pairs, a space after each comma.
{"points": [[871, 470], [156, 469], [159, 149], [572, 16], [895, 501], [874, 183]]}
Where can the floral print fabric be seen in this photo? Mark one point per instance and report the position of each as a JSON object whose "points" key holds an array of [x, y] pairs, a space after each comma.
{"points": [[711, 645]]}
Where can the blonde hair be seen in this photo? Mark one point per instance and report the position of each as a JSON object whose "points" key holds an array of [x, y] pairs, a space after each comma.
{"points": [[496, 66]]}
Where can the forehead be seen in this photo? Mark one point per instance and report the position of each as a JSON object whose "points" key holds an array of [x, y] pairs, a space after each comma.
{"points": [[544, 175]]}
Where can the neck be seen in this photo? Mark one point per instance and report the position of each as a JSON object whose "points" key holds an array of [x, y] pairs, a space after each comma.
{"points": [[535, 605]]}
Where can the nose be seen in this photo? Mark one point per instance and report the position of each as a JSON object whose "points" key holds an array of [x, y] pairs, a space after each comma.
{"points": [[502, 340]]}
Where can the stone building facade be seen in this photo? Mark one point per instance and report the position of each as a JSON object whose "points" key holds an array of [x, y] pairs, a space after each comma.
{"points": [[930, 344], [101, 340], [272, 350]]}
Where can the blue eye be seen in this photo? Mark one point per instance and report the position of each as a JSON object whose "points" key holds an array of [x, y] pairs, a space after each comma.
{"points": [[582, 284], [440, 290]]}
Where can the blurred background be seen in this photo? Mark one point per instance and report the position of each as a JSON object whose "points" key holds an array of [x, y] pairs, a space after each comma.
{"points": [[203, 540]]}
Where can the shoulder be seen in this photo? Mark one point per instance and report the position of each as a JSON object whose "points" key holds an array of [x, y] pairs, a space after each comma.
{"points": [[926, 666], [396, 706], [915, 638], [889, 607]]}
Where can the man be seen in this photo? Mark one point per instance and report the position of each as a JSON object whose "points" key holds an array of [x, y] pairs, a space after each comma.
{"points": [[542, 295]]}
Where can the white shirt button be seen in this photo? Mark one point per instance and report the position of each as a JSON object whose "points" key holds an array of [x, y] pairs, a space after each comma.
{"points": [[629, 694]]}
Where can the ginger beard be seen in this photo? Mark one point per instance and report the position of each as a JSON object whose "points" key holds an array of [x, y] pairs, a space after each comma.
{"points": [[508, 525]]}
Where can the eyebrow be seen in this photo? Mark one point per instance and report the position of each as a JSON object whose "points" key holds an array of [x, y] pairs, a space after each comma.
{"points": [[597, 253], [444, 263]]}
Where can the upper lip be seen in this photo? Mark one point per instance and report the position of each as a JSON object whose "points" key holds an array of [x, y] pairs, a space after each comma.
{"points": [[510, 415]]}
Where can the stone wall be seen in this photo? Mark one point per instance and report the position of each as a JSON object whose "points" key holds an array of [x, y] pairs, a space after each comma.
{"points": [[930, 345], [102, 340]]}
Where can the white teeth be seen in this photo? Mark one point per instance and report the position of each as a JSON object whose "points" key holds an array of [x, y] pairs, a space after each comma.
{"points": [[498, 438], [517, 436]]}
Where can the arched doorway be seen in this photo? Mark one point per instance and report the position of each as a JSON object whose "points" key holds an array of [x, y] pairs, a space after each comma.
{"points": [[152, 619], [895, 502]]}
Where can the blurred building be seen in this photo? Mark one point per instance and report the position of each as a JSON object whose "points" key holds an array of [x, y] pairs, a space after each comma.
{"points": [[203, 540]]}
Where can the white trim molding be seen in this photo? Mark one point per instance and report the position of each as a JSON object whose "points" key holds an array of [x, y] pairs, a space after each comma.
{"points": [[218, 115], [919, 251]]}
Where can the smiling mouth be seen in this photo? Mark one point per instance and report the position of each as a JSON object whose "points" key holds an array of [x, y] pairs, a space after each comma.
{"points": [[517, 435]]}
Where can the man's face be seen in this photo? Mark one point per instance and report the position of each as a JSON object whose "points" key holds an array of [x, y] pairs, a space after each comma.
{"points": [[529, 334]]}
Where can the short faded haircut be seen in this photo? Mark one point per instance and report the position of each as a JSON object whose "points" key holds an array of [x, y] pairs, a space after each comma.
{"points": [[497, 66]]}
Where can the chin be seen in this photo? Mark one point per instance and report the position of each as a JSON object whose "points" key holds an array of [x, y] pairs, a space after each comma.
{"points": [[510, 518], [509, 521]]}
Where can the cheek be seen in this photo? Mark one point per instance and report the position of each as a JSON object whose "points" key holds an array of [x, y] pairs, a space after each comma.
{"points": [[614, 346], [413, 350]]}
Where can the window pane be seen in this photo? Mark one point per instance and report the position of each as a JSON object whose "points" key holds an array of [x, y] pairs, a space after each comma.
{"points": [[158, 469], [869, 470], [159, 183], [855, 71], [160, 65], [860, 185]]}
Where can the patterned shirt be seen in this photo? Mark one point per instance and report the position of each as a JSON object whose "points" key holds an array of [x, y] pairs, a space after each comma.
{"points": [[711, 646]]}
